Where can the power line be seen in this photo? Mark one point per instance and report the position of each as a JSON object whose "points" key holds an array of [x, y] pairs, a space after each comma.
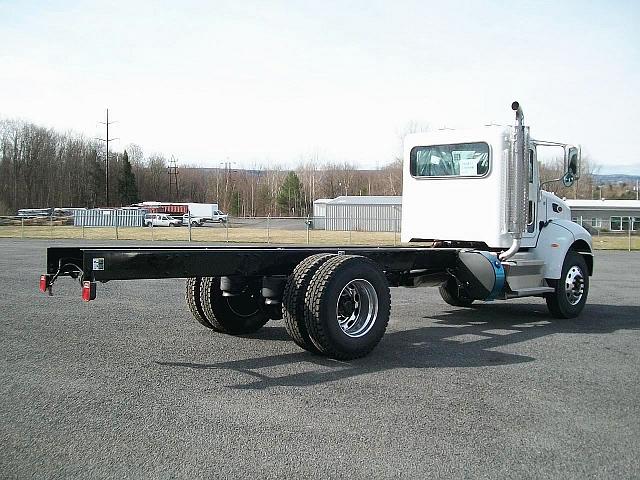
{"points": [[106, 173]]}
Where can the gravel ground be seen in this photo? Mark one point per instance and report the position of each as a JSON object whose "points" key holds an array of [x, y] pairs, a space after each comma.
{"points": [[130, 386]]}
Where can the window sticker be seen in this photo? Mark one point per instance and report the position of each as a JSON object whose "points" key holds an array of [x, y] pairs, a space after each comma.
{"points": [[468, 166]]}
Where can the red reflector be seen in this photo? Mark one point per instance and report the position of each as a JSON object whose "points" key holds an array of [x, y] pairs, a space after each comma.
{"points": [[88, 291], [43, 283]]}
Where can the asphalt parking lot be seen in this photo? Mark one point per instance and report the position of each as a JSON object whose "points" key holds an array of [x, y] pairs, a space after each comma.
{"points": [[130, 386]]}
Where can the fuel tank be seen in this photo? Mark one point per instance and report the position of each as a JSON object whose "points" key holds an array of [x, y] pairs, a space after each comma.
{"points": [[481, 274]]}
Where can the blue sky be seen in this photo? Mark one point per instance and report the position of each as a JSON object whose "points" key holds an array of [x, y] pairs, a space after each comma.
{"points": [[271, 82]]}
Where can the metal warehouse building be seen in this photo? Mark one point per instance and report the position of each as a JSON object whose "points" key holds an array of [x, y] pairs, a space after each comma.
{"points": [[109, 217], [612, 215], [358, 213], [383, 214]]}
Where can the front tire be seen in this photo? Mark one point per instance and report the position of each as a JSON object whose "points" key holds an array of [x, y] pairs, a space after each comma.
{"points": [[237, 315], [347, 307], [571, 289]]}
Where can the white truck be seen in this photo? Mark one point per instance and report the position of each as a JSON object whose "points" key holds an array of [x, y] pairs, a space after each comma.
{"points": [[475, 196], [199, 213], [481, 189], [218, 217], [160, 220]]}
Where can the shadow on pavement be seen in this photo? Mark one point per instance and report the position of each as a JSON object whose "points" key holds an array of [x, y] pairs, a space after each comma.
{"points": [[457, 338]]}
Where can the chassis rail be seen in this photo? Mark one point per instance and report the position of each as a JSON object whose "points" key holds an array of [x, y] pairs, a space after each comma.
{"points": [[102, 264]]}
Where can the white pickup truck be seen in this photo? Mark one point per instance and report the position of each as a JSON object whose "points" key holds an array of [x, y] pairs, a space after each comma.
{"points": [[160, 220]]}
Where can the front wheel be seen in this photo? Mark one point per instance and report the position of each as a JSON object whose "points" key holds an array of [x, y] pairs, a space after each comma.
{"points": [[571, 289]]}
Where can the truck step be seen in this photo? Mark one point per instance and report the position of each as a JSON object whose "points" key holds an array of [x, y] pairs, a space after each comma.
{"points": [[524, 274], [515, 263], [529, 292]]}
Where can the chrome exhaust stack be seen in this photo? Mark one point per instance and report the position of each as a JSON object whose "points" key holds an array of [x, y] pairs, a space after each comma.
{"points": [[517, 196]]}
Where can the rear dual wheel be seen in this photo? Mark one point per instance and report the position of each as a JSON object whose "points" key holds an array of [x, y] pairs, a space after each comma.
{"points": [[334, 305], [347, 307], [237, 315]]}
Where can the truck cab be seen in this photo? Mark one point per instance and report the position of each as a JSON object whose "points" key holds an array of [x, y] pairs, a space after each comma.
{"points": [[480, 189], [219, 216]]}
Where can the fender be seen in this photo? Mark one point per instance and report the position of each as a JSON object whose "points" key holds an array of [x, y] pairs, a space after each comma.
{"points": [[583, 242], [578, 231], [555, 240]]}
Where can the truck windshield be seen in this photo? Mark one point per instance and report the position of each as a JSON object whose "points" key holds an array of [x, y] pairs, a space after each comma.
{"points": [[459, 160]]}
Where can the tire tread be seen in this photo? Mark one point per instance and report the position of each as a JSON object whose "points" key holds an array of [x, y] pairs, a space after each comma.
{"points": [[293, 300], [192, 297]]}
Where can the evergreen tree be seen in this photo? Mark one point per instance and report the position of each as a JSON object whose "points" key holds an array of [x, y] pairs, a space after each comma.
{"points": [[234, 206], [127, 187], [95, 180], [290, 194]]}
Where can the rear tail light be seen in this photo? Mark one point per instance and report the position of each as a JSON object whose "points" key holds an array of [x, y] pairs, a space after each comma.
{"points": [[43, 283], [88, 291]]}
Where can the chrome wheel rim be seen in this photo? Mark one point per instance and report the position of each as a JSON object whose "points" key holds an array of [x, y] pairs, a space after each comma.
{"points": [[574, 285], [357, 308]]}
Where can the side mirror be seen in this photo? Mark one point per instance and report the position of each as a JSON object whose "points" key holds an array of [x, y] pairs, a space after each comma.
{"points": [[567, 179], [572, 163]]}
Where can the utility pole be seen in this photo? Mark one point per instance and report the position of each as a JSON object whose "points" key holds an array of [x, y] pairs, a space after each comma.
{"points": [[218, 184], [173, 175], [227, 171], [106, 169]]}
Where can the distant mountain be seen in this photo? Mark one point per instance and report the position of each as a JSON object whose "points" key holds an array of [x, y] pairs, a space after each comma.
{"points": [[633, 169], [617, 178]]}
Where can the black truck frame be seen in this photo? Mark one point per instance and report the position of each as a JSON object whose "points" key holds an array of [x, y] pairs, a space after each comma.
{"points": [[334, 301], [102, 264]]}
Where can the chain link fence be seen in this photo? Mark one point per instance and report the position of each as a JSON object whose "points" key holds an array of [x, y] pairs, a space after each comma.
{"points": [[285, 230], [619, 233]]}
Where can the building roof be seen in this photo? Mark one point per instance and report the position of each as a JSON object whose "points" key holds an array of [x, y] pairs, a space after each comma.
{"points": [[604, 204], [362, 200], [397, 200]]}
